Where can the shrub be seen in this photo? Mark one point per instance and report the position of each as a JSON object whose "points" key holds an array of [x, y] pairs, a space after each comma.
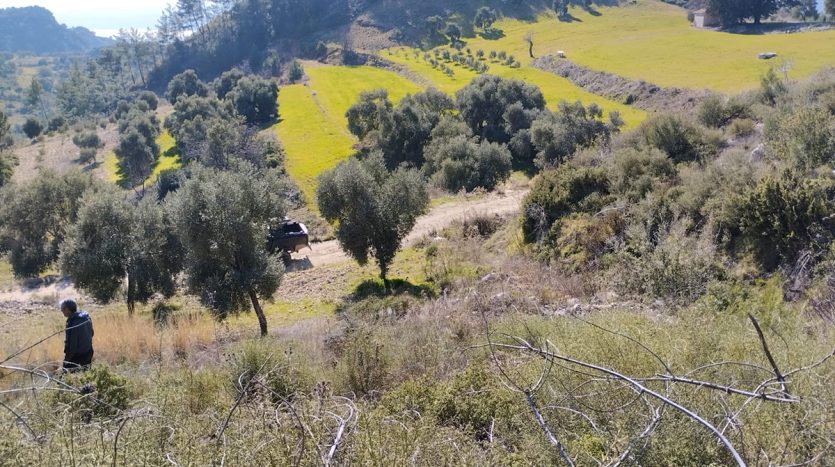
{"points": [[560, 192], [473, 400], [681, 140], [255, 99], [296, 72], [772, 87], [634, 173], [782, 217], [150, 98], [102, 392], [579, 241], [57, 124], [186, 84], [715, 112], [461, 163], [87, 155], [414, 396], [805, 137], [32, 128], [87, 139], [670, 264], [261, 369], [365, 364], [557, 136], [742, 127]]}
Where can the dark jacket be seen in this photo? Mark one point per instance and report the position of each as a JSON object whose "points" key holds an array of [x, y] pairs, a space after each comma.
{"points": [[79, 339]]}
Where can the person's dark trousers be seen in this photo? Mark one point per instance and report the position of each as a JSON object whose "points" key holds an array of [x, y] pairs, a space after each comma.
{"points": [[78, 362]]}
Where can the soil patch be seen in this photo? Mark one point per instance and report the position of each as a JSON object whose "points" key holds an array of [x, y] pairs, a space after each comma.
{"points": [[641, 94]]}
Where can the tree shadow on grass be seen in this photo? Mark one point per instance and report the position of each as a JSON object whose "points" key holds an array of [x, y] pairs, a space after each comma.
{"points": [[569, 18], [492, 34], [371, 300], [377, 289]]}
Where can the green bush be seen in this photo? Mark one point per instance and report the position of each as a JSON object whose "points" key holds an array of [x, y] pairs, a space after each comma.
{"points": [[260, 369], [32, 128], [742, 127], [473, 400], [102, 392], [673, 264], [681, 140], [560, 192], [805, 137], [365, 364], [715, 112], [633, 173], [781, 217]]}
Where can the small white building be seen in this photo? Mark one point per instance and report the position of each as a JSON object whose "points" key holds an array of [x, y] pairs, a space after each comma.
{"points": [[703, 19]]}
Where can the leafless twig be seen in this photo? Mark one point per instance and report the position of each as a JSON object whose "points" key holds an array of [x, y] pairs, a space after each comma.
{"points": [[771, 361]]}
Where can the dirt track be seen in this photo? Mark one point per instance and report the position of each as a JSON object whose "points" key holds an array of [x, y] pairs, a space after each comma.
{"points": [[20, 299], [329, 252]]}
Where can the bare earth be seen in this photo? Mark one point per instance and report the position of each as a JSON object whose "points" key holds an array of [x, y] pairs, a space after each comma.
{"points": [[324, 253], [23, 300]]}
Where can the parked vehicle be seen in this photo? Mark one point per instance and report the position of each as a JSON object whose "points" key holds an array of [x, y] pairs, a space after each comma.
{"points": [[288, 237]]}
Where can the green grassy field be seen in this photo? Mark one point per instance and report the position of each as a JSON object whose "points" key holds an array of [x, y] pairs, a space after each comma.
{"points": [[653, 41], [168, 159], [339, 87], [313, 127], [312, 139], [554, 88]]}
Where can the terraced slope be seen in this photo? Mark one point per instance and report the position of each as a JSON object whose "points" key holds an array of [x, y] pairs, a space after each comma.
{"points": [[653, 41], [555, 88], [313, 127]]}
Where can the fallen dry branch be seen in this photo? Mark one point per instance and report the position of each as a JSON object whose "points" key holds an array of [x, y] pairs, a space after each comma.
{"points": [[768, 355], [548, 355], [544, 426], [723, 388]]}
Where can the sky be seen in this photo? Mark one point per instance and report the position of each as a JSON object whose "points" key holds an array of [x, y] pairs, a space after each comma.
{"points": [[105, 17]]}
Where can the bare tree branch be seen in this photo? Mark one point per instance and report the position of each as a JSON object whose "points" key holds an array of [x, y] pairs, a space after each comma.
{"points": [[771, 361], [541, 421], [689, 413]]}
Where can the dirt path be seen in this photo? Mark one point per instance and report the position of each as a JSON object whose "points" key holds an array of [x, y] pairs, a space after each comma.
{"points": [[23, 300], [441, 216]]}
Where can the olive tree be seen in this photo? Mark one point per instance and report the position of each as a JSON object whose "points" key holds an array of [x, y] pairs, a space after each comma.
{"points": [[186, 84], [375, 209], [222, 219], [485, 102], [457, 160], [7, 160], [485, 17], [35, 216], [116, 245], [255, 99], [88, 142]]}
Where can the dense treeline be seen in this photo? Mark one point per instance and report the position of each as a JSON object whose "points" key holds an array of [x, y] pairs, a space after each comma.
{"points": [[732, 12], [474, 141], [135, 244], [212, 37]]}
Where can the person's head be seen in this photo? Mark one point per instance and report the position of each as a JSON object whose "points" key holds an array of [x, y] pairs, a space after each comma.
{"points": [[68, 308]]}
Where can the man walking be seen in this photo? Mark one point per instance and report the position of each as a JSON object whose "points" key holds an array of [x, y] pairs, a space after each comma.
{"points": [[78, 344]]}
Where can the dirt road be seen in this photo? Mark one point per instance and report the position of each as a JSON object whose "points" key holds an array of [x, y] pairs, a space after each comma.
{"points": [[19, 299], [442, 216]]}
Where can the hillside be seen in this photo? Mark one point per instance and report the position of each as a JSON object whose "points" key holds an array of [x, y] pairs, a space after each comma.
{"points": [[35, 30]]}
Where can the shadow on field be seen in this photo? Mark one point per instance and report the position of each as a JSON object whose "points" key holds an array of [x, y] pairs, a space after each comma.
{"points": [[492, 34], [376, 288]]}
